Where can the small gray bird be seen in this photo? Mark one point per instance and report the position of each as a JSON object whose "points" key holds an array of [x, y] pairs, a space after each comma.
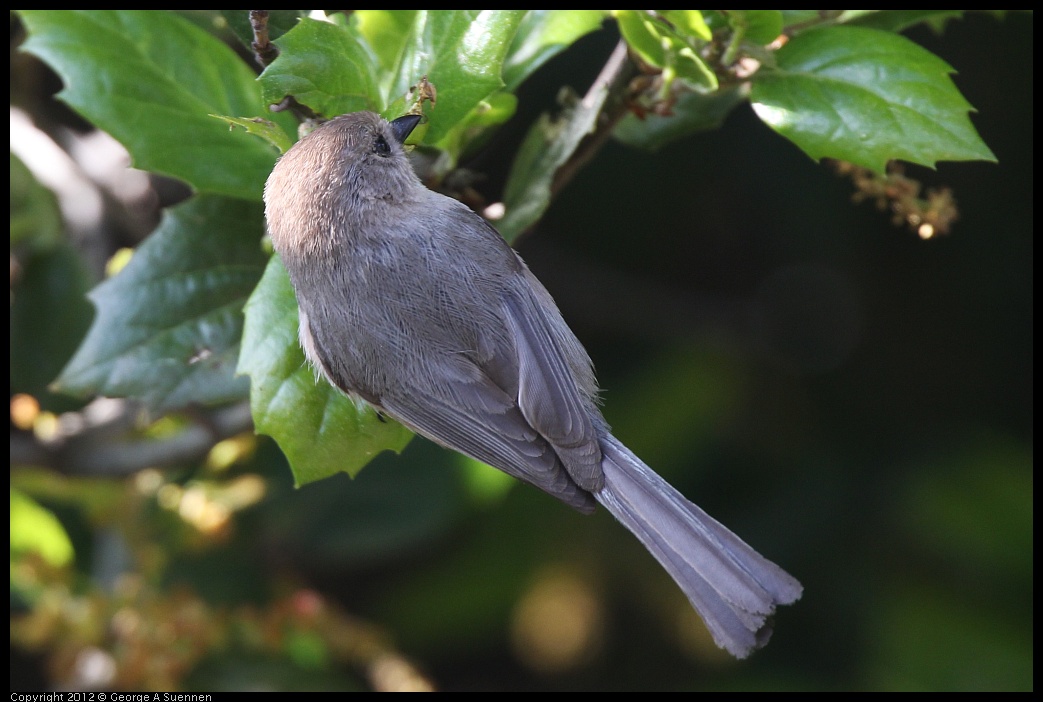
{"points": [[413, 303]]}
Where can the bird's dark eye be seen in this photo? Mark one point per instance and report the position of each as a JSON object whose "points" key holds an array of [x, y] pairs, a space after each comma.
{"points": [[381, 146]]}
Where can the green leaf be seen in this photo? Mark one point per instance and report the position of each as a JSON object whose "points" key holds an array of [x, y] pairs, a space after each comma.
{"points": [[327, 67], [401, 504], [49, 312], [168, 325], [689, 23], [370, 64], [693, 112], [897, 20], [543, 34], [660, 46], [758, 26], [866, 96], [694, 71], [387, 32], [35, 217], [150, 79], [792, 18], [49, 316], [547, 146], [643, 35], [319, 429], [265, 129], [461, 52], [36, 529]]}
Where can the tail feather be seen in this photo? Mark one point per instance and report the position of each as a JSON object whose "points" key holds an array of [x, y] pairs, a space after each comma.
{"points": [[734, 588]]}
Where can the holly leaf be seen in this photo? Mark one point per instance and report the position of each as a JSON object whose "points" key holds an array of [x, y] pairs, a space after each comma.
{"points": [[866, 96], [263, 128], [693, 112], [318, 428], [151, 80], [542, 34], [547, 146], [461, 52], [168, 325], [662, 46], [899, 20], [328, 67], [757, 26], [331, 67]]}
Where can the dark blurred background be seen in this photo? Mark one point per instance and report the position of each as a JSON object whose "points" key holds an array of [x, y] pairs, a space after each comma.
{"points": [[854, 402]]}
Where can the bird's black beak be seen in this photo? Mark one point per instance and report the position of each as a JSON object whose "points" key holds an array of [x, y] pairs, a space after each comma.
{"points": [[403, 126]]}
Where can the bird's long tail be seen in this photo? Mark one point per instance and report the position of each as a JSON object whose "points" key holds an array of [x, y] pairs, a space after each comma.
{"points": [[734, 588]]}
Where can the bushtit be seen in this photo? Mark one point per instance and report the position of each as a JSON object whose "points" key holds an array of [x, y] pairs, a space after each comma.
{"points": [[413, 303]]}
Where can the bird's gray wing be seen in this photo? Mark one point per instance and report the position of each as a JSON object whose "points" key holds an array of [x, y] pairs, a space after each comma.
{"points": [[458, 405], [521, 409], [548, 393], [477, 418]]}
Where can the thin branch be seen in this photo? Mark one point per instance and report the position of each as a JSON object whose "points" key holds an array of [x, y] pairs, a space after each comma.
{"points": [[615, 75], [264, 51]]}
